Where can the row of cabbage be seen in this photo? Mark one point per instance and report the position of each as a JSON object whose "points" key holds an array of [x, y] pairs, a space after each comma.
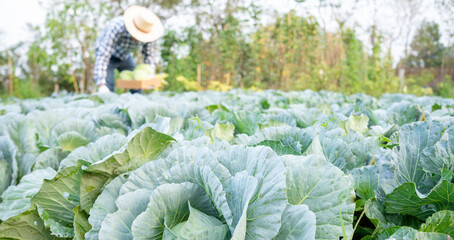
{"points": [[236, 165]]}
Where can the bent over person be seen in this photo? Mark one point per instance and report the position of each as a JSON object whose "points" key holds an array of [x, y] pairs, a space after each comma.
{"points": [[138, 27]]}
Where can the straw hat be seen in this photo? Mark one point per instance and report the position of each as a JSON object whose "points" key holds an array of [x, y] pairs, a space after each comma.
{"points": [[143, 24]]}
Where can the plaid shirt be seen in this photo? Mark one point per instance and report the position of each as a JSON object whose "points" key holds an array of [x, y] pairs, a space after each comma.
{"points": [[116, 41]]}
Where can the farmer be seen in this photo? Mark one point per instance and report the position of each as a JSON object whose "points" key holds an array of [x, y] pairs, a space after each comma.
{"points": [[122, 35]]}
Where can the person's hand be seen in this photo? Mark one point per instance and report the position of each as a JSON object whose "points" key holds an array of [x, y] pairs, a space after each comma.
{"points": [[103, 89]]}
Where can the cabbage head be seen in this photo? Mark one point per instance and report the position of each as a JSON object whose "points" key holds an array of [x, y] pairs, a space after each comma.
{"points": [[232, 194], [141, 75], [126, 75], [145, 67]]}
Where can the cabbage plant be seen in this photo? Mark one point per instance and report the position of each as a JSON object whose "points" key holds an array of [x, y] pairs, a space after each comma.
{"points": [[237, 193]]}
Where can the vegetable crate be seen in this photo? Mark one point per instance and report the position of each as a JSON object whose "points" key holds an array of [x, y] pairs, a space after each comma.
{"points": [[138, 84]]}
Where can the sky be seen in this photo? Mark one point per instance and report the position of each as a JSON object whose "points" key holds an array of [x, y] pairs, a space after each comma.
{"points": [[16, 14]]}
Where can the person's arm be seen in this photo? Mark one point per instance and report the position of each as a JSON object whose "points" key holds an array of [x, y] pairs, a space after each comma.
{"points": [[104, 51], [147, 52]]}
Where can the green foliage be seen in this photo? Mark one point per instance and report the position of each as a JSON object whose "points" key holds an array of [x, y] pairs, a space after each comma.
{"points": [[289, 54], [426, 46], [354, 62], [71, 31], [27, 89], [176, 66], [419, 84], [233, 48], [188, 85], [446, 88]]}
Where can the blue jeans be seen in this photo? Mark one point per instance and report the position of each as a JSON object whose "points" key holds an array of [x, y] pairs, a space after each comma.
{"points": [[116, 63]]}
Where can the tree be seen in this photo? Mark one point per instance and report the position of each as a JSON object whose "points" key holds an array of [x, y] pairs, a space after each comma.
{"points": [[175, 65], [38, 67], [426, 47], [411, 9], [9, 58], [446, 10], [71, 30]]}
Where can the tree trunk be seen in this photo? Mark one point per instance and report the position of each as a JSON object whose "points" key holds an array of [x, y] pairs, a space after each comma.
{"points": [[442, 70], [199, 77], [35, 75], [84, 69], [227, 79], [10, 74], [73, 74], [84, 80], [56, 88], [401, 77], [287, 78]]}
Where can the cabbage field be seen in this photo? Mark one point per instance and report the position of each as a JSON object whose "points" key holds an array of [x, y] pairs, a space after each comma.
{"points": [[234, 165]]}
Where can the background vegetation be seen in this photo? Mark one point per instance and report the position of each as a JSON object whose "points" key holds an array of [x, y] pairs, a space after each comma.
{"points": [[231, 47]]}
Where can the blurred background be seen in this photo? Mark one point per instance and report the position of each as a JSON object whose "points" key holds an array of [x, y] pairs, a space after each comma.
{"points": [[350, 46]]}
